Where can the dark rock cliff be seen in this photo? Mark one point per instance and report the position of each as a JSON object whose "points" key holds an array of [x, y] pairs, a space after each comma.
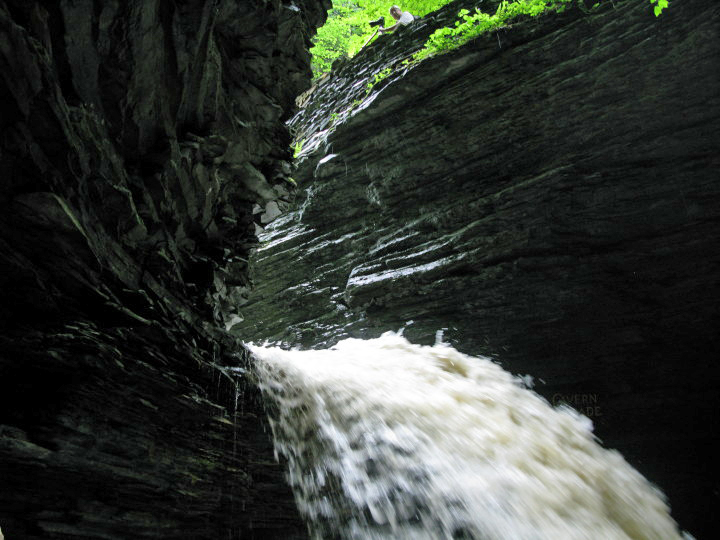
{"points": [[549, 195], [136, 141]]}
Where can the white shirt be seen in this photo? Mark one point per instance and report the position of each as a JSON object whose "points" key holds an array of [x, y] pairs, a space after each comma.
{"points": [[406, 18]]}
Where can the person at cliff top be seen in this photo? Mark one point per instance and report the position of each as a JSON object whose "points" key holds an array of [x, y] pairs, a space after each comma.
{"points": [[403, 18]]}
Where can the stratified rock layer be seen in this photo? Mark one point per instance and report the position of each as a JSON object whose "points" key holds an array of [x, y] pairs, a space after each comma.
{"points": [[549, 195], [137, 142]]}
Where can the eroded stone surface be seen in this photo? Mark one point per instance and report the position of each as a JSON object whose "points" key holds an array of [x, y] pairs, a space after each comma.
{"points": [[549, 195], [136, 137]]}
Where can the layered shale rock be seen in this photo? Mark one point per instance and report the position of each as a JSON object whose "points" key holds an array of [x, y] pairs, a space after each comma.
{"points": [[549, 195], [137, 139]]}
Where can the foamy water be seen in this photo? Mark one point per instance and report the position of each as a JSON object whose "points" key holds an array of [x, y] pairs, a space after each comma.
{"points": [[389, 440]]}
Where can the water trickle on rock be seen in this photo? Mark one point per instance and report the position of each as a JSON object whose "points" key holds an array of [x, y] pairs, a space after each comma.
{"points": [[389, 440]]}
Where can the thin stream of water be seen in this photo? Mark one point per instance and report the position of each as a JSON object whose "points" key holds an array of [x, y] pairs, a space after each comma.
{"points": [[389, 440]]}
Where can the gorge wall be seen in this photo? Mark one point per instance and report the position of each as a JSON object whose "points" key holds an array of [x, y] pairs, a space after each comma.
{"points": [[136, 138], [548, 194]]}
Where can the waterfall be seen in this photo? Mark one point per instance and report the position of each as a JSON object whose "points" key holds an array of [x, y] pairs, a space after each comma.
{"points": [[385, 439]]}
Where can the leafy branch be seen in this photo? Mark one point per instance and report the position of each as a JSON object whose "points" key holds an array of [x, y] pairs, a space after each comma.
{"points": [[473, 25]]}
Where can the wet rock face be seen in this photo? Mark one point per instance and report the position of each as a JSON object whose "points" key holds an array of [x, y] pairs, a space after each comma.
{"points": [[137, 142], [548, 195]]}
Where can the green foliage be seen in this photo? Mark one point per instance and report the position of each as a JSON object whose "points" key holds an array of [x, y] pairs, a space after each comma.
{"points": [[347, 27], [384, 74], [297, 148], [472, 25], [344, 24], [659, 6]]}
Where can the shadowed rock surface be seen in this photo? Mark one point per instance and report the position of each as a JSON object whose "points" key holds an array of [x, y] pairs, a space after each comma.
{"points": [[549, 195], [136, 138]]}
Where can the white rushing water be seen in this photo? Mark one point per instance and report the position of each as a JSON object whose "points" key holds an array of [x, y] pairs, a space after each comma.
{"points": [[389, 440]]}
